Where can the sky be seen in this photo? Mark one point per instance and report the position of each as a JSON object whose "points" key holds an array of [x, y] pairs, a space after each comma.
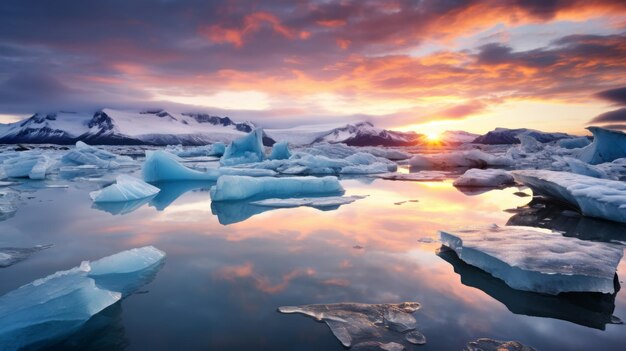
{"points": [[427, 66]]}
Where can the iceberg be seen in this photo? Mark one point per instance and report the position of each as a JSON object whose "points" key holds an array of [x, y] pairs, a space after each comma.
{"points": [[31, 164], [476, 177], [247, 149], [608, 145], [367, 326], [580, 167], [485, 344], [574, 143], [164, 166], [529, 144], [602, 198], [84, 154], [126, 188], [280, 151], [318, 202], [231, 187], [49, 309], [466, 158], [12, 255], [593, 310], [537, 260]]}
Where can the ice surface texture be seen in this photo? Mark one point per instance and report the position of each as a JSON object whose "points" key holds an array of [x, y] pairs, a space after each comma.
{"points": [[485, 344], [247, 149], [602, 198], [537, 260], [49, 309], [367, 326], [607, 145], [319, 202], [476, 177], [84, 154], [466, 158], [31, 164], [229, 188], [12, 255], [127, 188], [574, 143]]}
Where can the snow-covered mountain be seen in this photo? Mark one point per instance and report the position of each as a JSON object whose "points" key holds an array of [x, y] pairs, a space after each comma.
{"points": [[108, 126], [509, 136], [359, 134]]}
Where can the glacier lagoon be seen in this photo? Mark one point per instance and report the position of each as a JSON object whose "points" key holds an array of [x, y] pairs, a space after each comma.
{"points": [[222, 284]]}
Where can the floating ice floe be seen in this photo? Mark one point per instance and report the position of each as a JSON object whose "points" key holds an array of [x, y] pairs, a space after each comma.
{"points": [[607, 145], [367, 326], [537, 260], [485, 344], [340, 150], [465, 158], [593, 310], [126, 188], [84, 154], [421, 176], [45, 311], [230, 188], [280, 151], [215, 149], [247, 149], [574, 143], [31, 164], [320, 202], [476, 177], [12, 255], [8, 198], [164, 166], [602, 198]]}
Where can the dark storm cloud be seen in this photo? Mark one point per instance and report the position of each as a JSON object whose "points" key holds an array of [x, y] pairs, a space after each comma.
{"points": [[618, 115], [617, 96]]}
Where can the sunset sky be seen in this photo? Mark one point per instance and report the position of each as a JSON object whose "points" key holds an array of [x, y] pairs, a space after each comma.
{"points": [[409, 65]]}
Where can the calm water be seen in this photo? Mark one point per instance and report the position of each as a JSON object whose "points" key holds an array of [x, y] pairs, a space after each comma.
{"points": [[221, 284]]}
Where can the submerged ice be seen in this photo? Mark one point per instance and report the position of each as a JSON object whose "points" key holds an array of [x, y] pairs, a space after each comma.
{"points": [[537, 260], [49, 309], [367, 326]]}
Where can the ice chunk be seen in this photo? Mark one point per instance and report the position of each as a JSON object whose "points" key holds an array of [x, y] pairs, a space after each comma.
{"points": [[367, 326], [127, 188], [366, 169], [280, 151], [421, 176], [602, 198], [484, 178], [580, 167], [31, 164], [574, 143], [84, 154], [49, 309], [607, 145], [537, 260], [12, 255], [466, 158], [216, 149], [485, 344], [593, 310], [163, 166], [328, 201], [247, 149], [230, 188], [529, 144]]}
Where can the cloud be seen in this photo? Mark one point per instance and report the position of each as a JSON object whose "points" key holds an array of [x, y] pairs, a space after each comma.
{"points": [[611, 116], [617, 96]]}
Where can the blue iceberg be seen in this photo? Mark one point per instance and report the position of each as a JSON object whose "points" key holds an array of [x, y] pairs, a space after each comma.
{"points": [[127, 188], [247, 149], [607, 145], [230, 188], [49, 309], [280, 151]]}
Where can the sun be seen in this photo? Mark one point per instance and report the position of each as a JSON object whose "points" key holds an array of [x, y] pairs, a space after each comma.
{"points": [[433, 136]]}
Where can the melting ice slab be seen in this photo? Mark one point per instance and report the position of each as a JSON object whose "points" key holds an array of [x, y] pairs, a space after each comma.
{"points": [[476, 177], [537, 260], [49, 309], [485, 344], [229, 188], [602, 198], [12, 255], [126, 188], [365, 326], [323, 202]]}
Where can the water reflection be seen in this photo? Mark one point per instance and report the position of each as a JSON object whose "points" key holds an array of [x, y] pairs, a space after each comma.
{"points": [[593, 310], [121, 207], [543, 213], [170, 191]]}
